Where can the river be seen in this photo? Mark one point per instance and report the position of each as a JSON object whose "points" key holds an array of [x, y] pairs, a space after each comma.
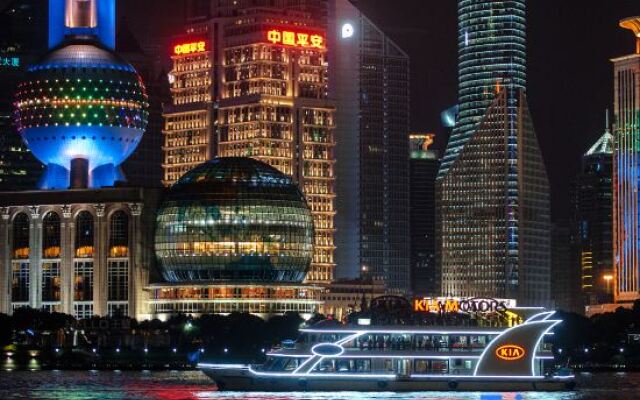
{"points": [[185, 385]]}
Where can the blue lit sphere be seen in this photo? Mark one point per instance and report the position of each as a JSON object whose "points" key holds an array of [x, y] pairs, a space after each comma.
{"points": [[234, 220], [81, 101]]}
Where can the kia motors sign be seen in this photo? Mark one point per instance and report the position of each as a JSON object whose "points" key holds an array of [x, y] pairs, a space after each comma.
{"points": [[465, 305]]}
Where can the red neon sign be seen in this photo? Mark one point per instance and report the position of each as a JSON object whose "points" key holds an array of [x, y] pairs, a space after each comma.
{"points": [[190, 48], [296, 39]]}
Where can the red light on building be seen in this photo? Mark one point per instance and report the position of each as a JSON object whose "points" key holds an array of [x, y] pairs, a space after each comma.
{"points": [[296, 39], [190, 48]]}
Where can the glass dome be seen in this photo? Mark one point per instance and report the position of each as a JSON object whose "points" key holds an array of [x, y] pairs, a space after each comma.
{"points": [[234, 220]]}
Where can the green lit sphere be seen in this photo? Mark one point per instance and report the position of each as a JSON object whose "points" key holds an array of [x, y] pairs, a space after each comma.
{"points": [[234, 220]]}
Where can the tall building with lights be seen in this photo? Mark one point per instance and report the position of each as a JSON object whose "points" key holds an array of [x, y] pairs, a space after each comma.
{"points": [[593, 199], [369, 80], [250, 79], [23, 30], [626, 159], [423, 167], [492, 189]]}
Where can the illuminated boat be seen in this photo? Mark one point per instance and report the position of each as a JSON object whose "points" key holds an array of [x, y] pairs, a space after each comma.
{"points": [[401, 358]]}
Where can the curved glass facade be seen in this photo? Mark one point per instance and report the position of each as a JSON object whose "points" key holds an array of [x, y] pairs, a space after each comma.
{"points": [[491, 55], [234, 220]]}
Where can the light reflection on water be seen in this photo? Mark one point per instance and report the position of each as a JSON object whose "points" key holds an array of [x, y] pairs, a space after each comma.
{"points": [[193, 385]]}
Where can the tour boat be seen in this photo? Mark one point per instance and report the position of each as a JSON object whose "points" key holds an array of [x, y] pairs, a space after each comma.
{"points": [[403, 358]]}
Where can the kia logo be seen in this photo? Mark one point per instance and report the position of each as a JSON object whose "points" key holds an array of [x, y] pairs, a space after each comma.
{"points": [[510, 352]]}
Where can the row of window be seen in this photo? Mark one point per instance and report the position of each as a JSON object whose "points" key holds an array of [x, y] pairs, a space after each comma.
{"points": [[83, 279], [84, 235]]}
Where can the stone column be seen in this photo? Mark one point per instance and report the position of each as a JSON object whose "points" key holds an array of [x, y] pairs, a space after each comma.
{"points": [[100, 244], [35, 258], [138, 272], [5, 261], [67, 243]]}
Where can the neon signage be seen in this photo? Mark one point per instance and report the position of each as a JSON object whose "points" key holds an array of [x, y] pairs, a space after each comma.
{"points": [[296, 39], [510, 352], [190, 48], [456, 305], [10, 62]]}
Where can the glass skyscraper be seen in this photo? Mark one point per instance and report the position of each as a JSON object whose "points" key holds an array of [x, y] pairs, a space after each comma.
{"points": [[369, 79], [626, 221], [491, 53], [493, 215]]}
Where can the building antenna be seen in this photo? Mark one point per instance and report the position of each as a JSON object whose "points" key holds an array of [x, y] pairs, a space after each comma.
{"points": [[606, 127]]}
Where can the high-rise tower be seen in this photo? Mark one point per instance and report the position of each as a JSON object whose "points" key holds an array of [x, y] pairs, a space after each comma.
{"points": [[493, 215], [592, 225], [626, 183], [250, 80], [423, 168], [369, 80], [491, 52]]}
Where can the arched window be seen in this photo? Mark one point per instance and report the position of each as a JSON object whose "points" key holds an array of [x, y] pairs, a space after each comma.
{"points": [[119, 235], [21, 237], [84, 235], [51, 236]]}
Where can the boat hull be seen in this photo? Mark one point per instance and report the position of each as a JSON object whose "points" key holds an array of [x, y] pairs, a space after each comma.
{"points": [[245, 380]]}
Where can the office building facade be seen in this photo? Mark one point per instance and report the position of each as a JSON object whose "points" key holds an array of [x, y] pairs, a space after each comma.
{"points": [[626, 157], [251, 80], [423, 167], [369, 79], [491, 52], [22, 40], [493, 206], [593, 231]]}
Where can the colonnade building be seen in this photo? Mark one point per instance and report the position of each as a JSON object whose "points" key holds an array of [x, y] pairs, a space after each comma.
{"points": [[82, 253]]}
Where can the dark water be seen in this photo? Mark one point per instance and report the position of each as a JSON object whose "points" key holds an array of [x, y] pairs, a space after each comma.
{"points": [[90, 385]]}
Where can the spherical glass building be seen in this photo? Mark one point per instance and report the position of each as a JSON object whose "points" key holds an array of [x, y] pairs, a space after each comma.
{"points": [[234, 220], [81, 101]]}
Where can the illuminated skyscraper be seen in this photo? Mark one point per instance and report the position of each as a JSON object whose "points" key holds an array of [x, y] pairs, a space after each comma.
{"points": [[250, 80], [493, 215], [491, 51], [369, 80], [626, 231], [423, 168], [23, 29], [592, 230]]}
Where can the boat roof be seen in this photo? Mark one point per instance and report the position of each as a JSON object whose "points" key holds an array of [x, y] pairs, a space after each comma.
{"points": [[442, 330]]}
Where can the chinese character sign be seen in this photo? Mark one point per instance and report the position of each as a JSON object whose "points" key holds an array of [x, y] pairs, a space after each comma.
{"points": [[9, 62], [296, 39], [190, 48]]}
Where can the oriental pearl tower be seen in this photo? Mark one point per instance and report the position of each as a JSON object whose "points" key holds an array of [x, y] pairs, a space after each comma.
{"points": [[82, 109]]}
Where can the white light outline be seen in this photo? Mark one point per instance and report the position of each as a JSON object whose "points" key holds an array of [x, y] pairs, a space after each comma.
{"points": [[422, 376], [535, 349], [313, 349], [330, 375], [223, 366], [403, 331], [421, 357]]}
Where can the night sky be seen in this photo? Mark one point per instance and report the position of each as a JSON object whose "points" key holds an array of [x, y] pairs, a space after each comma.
{"points": [[570, 77]]}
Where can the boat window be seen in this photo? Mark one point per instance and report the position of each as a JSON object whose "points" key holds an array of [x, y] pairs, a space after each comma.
{"points": [[327, 366], [421, 366], [278, 364], [439, 366], [363, 365], [292, 364]]}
